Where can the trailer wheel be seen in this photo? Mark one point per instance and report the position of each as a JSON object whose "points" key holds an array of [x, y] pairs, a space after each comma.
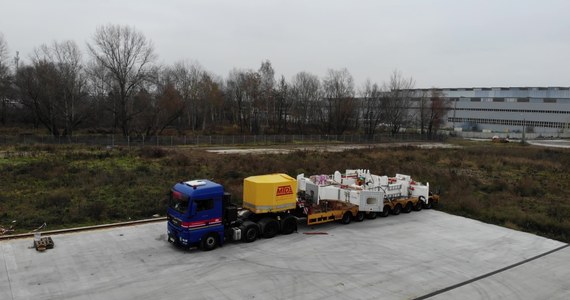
{"points": [[209, 242], [408, 207], [397, 209], [385, 211], [269, 227], [288, 225], [250, 233], [346, 218], [420, 204], [428, 205], [372, 215], [359, 216]]}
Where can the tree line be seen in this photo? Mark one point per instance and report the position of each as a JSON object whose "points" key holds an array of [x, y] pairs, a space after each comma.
{"points": [[118, 87]]}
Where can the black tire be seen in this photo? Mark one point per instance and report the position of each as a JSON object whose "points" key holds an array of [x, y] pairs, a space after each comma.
{"points": [[385, 211], [346, 218], [397, 209], [372, 215], [210, 241], [408, 208], [288, 225], [420, 204], [250, 233], [428, 205], [269, 227], [360, 216]]}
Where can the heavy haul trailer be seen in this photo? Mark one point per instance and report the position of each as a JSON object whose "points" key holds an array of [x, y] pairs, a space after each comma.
{"points": [[201, 214], [374, 195]]}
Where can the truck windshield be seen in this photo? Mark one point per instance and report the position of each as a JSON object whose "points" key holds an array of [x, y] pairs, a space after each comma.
{"points": [[178, 202]]}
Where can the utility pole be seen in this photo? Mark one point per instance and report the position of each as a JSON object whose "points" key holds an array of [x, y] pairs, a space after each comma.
{"points": [[523, 131]]}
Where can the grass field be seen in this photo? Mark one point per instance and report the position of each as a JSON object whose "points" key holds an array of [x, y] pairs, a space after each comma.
{"points": [[520, 187]]}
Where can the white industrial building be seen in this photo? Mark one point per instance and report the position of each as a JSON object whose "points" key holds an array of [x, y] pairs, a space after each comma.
{"points": [[508, 109]]}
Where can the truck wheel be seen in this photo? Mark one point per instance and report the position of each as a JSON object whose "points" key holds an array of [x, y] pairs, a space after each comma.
{"points": [[385, 211], [397, 209], [250, 233], [346, 218], [408, 207], [269, 227], [420, 204], [209, 242], [288, 225], [372, 215], [428, 205], [359, 216]]}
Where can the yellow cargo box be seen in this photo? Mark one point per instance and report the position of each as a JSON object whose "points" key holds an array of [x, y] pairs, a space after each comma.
{"points": [[269, 193]]}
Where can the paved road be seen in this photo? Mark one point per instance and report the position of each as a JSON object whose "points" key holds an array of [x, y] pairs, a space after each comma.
{"points": [[399, 257], [327, 148], [551, 143]]}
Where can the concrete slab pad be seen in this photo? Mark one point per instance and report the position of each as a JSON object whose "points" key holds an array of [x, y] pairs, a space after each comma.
{"points": [[399, 257]]}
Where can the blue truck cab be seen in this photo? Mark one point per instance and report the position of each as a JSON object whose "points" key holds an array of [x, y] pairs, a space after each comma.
{"points": [[195, 214]]}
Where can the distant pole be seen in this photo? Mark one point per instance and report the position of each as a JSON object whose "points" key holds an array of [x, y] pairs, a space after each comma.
{"points": [[523, 128]]}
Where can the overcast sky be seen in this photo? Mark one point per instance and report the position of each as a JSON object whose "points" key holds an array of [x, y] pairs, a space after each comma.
{"points": [[440, 43]]}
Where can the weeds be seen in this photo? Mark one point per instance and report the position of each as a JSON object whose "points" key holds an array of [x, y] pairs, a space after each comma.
{"points": [[517, 187]]}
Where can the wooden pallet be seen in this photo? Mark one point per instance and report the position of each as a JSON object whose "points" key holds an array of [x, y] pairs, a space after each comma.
{"points": [[43, 244]]}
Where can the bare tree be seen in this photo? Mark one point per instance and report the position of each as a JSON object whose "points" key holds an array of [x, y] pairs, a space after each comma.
{"points": [[283, 104], [70, 103], [422, 107], [243, 91], [371, 107], [5, 78], [100, 90], [396, 101], [439, 106], [127, 55], [338, 89], [306, 94], [266, 102], [185, 78], [37, 84], [53, 87]]}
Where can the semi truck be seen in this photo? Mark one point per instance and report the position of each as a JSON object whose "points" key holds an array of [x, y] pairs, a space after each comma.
{"points": [[201, 214]]}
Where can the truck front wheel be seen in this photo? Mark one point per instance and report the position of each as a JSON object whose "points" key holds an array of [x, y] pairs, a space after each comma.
{"points": [[250, 233], [209, 242]]}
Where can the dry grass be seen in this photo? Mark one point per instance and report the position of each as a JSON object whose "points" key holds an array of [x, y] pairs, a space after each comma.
{"points": [[523, 188]]}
